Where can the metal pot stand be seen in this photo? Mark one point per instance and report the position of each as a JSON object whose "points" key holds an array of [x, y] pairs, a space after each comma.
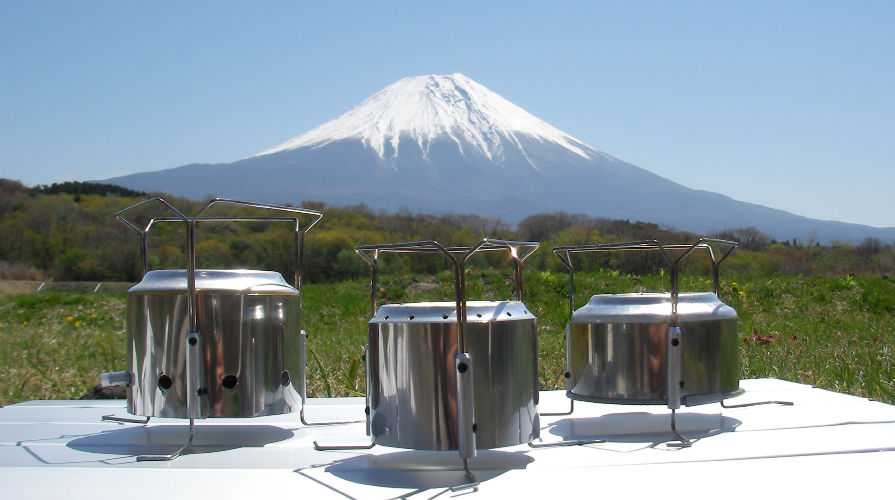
{"points": [[466, 428], [302, 219], [674, 336]]}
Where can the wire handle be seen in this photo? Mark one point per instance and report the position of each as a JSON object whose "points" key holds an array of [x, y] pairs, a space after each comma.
{"points": [[564, 253], [457, 255], [300, 220], [190, 245], [298, 233]]}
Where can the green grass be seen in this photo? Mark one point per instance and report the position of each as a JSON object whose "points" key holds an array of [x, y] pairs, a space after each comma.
{"points": [[836, 333], [825, 332], [55, 345], [337, 332]]}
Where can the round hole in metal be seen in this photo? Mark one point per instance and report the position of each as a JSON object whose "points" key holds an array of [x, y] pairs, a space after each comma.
{"points": [[229, 382], [165, 382], [284, 378]]}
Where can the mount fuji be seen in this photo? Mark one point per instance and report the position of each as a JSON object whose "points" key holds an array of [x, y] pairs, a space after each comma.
{"points": [[447, 144]]}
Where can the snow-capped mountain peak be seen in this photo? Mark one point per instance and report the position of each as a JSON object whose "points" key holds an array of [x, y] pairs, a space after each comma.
{"points": [[425, 108]]}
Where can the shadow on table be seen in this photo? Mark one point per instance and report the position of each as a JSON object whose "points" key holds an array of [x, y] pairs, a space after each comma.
{"points": [[417, 470], [642, 427], [164, 439]]}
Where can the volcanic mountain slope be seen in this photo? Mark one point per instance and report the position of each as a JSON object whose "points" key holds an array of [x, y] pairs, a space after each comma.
{"points": [[444, 143]]}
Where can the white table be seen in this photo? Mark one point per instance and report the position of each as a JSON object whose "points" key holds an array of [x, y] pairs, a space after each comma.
{"points": [[825, 445]]}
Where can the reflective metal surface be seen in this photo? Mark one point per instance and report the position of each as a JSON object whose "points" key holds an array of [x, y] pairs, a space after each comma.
{"points": [[413, 388], [617, 349], [248, 345]]}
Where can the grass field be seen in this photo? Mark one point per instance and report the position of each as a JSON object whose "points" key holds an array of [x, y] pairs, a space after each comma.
{"points": [[836, 333]]}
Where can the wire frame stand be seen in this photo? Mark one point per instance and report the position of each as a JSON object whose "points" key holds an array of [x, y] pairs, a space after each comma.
{"points": [[463, 363], [673, 256], [194, 359]]}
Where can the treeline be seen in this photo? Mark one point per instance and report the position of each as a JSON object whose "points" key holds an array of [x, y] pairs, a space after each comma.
{"points": [[78, 188], [67, 232]]}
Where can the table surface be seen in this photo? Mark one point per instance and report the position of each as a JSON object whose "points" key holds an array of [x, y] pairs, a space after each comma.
{"points": [[826, 444]]}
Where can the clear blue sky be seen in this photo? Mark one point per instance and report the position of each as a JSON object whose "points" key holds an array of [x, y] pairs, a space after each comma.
{"points": [[789, 104]]}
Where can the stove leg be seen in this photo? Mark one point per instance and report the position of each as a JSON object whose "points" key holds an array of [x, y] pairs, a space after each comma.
{"points": [[472, 482], [163, 458], [683, 442], [127, 420], [571, 409], [743, 405], [325, 447], [577, 442]]}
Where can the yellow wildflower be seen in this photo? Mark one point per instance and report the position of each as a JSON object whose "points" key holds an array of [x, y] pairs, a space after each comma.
{"points": [[69, 319], [24, 323], [78, 323], [742, 293], [93, 316]]}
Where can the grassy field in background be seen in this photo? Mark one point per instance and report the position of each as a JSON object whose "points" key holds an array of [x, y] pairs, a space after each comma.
{"points": [[836, 333]]}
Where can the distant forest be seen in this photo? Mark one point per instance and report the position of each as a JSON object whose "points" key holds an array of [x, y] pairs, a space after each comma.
{"points": [[67, 232]]}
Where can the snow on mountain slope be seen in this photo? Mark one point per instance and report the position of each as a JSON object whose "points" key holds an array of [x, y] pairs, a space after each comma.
{"points": [[426, 108]]}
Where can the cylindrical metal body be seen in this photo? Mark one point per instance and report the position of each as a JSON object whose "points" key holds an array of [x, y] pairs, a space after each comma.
{"points": [[413, 387], [618, 349], [247, 350]]}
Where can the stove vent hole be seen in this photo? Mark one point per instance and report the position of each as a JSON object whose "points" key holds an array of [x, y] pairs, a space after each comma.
{"points": [[229, 382], [165, 382]]}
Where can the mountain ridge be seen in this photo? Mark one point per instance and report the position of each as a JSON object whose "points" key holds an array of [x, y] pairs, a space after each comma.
{"points": [[444, 143]]}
